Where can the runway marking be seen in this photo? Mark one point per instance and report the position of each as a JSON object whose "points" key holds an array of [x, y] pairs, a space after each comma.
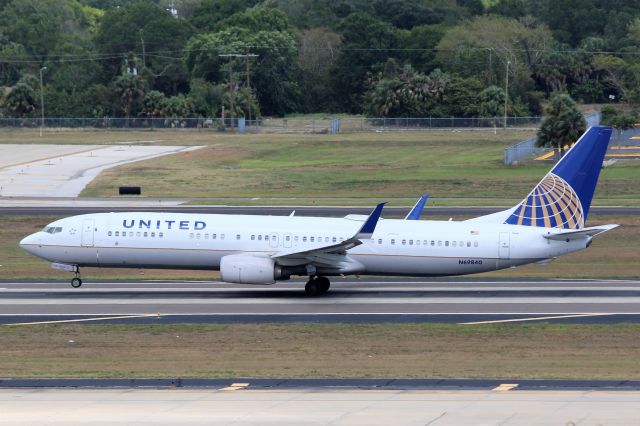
{"points": [[533, 319], [157, 315], [505, 387], [235, 386]]}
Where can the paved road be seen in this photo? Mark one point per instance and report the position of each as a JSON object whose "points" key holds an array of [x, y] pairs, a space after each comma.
{"points": [[365, 300], [239, 405], [326, 211]]}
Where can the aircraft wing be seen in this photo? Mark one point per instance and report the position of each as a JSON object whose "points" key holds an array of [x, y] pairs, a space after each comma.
{"points": [[329, 252], [579, 233]]}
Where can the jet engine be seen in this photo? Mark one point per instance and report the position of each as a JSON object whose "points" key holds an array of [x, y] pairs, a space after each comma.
{"points": [[250, 269]]}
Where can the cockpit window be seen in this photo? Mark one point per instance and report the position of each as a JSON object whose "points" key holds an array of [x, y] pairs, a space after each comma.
{"points": [[52, 229]]}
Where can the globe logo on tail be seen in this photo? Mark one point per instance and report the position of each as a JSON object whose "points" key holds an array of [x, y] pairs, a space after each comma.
{"points": [[551, 204]]}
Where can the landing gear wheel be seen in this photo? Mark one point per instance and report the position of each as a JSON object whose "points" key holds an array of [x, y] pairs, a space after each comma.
{"points": [[76, 282], [317, 286], [324, 284]]}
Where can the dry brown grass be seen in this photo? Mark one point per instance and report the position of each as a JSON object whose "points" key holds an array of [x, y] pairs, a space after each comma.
{"points": [[321, 350]]}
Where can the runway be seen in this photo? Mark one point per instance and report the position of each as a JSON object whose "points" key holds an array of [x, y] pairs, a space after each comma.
{"points": [[372, 300]]}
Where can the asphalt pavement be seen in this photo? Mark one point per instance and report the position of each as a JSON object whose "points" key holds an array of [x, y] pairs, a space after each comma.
{"points": [[366, 300]]}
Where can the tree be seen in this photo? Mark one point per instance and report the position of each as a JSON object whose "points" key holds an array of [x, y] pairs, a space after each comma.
{"points": [[153, 35], [617, 119], [492, 103], [273, 70], [21, 99], [366, 43], [407, 93], [130, 89], [564, 123], [317, 54], [206, 16]]}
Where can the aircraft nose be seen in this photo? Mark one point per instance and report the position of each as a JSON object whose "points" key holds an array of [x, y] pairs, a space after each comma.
{"points": [[29, 242]]}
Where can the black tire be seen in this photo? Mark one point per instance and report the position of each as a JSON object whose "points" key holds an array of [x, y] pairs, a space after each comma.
{"points": [[324, 284], [313, 288], [76, 282]]}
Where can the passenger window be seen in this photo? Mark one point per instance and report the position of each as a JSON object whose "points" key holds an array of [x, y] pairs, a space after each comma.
{"points": [[117, 233], [439, 243], [393, 241], [138, 234], [146, 234], [326, 239], [461, 243], [160, 235], [198, 235], [468, 243], [222, 236], [206, 236], [410, 242], [334, 239], [295, 238], [379, 240], [213, 236], [433, 243], [304, 239], [446, 243], [404, 242], [190, 235], [237, 236], [266, 238], [131, 233], [153, 235], [109, 233], [253, 237], [311, 239], [417, 242], [475, 244], [453, 243], [287, 237], [259, 237]]}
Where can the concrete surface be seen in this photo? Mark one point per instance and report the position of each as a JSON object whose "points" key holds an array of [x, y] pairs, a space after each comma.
{"points": [[239, 405], [62, 170]]}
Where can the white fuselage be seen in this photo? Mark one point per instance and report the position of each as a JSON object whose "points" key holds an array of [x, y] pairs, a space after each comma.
{"points": [[199, 241]]}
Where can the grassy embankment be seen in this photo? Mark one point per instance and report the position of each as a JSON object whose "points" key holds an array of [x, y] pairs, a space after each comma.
{"points": [[613, 255], [322, 350]]}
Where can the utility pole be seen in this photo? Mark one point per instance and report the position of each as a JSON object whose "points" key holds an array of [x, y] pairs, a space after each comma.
{"points": [[506, 93], [247, 56], [144, 53], [42, 100]]}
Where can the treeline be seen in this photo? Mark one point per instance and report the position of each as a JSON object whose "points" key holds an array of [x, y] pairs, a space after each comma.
{"points": [[417, 58]]}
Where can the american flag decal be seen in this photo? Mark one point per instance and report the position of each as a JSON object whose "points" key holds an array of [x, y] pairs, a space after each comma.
{"points": [[551, 204]]}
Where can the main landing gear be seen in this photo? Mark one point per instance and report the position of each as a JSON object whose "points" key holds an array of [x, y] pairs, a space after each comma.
{"points": [[317, 286], [76, 281]]}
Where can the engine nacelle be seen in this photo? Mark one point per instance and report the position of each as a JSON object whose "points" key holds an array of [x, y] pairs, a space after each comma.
{"points": [[250, 269]]}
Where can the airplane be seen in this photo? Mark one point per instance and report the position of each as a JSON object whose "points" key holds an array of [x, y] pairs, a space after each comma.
{"points": [[253, 249]]}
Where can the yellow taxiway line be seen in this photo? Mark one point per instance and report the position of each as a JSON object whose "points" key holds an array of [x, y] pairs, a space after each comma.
{"points": [[531, 319], [87, 319]]}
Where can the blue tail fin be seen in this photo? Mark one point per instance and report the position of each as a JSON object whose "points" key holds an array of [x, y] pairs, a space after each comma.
{"points": [[563, 197]]}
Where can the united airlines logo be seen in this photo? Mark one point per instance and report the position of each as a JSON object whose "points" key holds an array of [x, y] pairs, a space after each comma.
{"points": [[552, 204]]}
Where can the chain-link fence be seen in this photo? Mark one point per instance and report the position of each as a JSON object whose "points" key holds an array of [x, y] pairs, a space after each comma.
{"points": [[276, 125]]}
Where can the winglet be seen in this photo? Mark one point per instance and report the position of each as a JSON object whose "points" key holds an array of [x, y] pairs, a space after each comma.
{"points": [[416, 211], [370, 224]]}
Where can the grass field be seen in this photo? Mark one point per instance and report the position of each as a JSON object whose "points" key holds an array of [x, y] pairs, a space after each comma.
{"points": [[613, 255], [443, 164], [322, 350]]}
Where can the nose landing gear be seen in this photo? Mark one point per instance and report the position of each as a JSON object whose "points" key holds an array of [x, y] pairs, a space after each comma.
{"points": [[317, 286]]}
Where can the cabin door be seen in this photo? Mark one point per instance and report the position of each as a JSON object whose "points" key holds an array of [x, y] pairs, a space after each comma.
{"points": [[505, 245], [87, 232]]}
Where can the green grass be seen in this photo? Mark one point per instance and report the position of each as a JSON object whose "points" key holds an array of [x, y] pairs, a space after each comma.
{"points": [[389, 165], [322, 350]]}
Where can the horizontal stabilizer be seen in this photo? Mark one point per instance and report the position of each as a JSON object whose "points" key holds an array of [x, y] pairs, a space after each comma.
{"points": [[579, 233]]}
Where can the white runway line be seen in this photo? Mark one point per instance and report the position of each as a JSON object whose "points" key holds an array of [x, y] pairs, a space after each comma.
{"points": [[532, 319]]}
